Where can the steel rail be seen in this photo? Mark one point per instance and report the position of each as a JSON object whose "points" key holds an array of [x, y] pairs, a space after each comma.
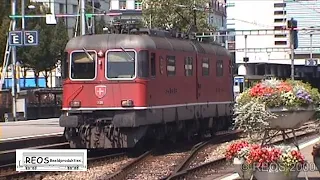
{"points": [[123, 172], [181, 172]]}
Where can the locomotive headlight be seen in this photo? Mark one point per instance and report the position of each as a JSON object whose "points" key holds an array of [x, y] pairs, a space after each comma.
{"points": [[127, 103], [75, 104]]}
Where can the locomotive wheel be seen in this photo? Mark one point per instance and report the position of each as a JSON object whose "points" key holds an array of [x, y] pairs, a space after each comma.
{"points": [[73, 139]]}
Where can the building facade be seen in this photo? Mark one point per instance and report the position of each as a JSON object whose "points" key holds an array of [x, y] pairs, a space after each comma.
{"points": [[260, 35]]}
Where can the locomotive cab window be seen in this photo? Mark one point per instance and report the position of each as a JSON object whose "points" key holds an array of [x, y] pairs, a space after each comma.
{"points": [[121, 64], [188, 66], [83, 65], [171, 65], [205, 67], [219, 68]]}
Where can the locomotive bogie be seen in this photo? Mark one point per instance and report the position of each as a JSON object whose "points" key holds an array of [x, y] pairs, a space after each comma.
{"points": [[124, 129]]}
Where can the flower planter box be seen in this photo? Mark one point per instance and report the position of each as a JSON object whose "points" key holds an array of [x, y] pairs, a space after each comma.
{"points": [[290, 118], [316, 161], [275, 175], [241, 169]]}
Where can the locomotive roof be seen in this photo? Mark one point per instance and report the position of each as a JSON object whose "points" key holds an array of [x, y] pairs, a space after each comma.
{"points": [[113, 41]]}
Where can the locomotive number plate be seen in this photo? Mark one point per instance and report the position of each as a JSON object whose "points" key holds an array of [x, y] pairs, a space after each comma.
{"points": [[100, 102]]}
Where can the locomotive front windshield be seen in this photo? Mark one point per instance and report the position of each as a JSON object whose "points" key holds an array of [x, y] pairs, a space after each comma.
{"points": [[83, 66], [121, 64]]}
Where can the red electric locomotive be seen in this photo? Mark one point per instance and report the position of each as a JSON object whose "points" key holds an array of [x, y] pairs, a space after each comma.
{"points": [[122, 88]]}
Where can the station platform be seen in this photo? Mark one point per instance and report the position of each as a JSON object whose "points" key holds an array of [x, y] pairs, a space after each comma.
{"points": [[305, 148], [30, 128]]}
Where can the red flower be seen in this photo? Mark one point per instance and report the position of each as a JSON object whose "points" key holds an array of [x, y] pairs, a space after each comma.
{"points": [[234, 148], [261, 90]]}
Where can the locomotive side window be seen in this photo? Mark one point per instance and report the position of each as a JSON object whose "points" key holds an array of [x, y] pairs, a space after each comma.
{"points": [[188, 63], [171, 65], [143, 63], [219, 68], [205, 67], [83, 65], [153, 64], [64, 66], [161, 65], [121, 64]]}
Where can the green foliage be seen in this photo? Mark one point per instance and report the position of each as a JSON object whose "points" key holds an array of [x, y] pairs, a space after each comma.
{"points": [[250, 117], [5, 23], [164, 14]]}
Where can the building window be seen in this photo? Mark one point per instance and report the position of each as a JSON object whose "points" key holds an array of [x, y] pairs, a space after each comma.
{"points": [[188, 63], [279, 5], [171, 65], [280, 35], [280, 43], [75, 9], [153, 64], [205, 67], [280, 20], [122, 4], [219, 68], [138, 5], [279, 27], [61, 8], [280, 12]]}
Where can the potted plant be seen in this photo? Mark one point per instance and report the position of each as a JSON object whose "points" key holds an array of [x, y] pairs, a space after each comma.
{"points": [[275, 163], [238, 152], [316, 155], [275, 104]]}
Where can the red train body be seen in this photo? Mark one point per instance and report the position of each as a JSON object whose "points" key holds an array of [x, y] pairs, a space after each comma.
{"points": [[122, 88]]}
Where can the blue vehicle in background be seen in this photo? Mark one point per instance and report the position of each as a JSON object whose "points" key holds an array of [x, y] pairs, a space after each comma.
{"points": [[25, 83]]}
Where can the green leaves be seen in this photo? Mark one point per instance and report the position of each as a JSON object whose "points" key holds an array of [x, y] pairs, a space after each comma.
{"points": [[168, 14], [52, 40]]}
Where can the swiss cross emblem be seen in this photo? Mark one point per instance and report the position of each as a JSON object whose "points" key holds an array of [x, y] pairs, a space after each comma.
{"points": [[100, 91]]}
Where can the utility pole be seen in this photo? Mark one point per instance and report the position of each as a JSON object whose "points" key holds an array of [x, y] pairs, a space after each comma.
{"points": [[13, 69], [22, 29], [92, 18], [292, 53], [311, 46], [83, 17], [292, 24], [245, 58]]}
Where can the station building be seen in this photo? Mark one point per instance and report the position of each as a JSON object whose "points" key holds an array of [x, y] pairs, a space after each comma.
{"points": [[269, 52]]}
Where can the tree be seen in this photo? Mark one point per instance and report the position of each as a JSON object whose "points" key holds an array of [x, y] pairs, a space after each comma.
{"points": [[165, 14], [4, 29], [52, 41]]}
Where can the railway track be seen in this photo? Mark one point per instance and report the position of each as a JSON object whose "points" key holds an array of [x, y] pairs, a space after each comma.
{"points": [[183, 164], [173, 165], [190, 169], [152, 158]]}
